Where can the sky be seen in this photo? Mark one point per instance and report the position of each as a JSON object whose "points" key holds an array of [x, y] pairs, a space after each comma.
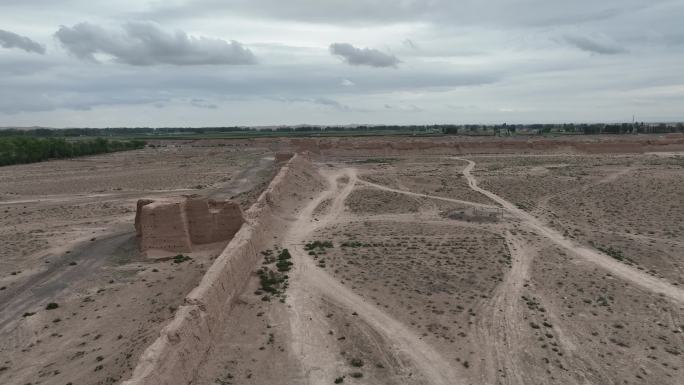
{"points": [[91, 63]]}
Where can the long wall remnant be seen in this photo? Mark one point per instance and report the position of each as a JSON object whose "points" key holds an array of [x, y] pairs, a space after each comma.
{"points": [[175, 224], [173, 359]]}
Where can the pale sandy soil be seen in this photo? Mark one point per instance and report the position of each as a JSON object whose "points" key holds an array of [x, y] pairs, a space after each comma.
{"points": [[68, 238], [406, 295], [631, 203], [442, 301]]}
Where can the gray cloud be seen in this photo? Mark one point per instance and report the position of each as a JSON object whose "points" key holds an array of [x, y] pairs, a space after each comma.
{"points": [[68, 85], [331, 103], [498, 61], [594, 46], [444, 12], [144, 43], [12, 40], [202, 103], [363, 56]]}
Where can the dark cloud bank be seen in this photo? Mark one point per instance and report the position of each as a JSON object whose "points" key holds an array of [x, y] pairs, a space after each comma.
{"points": [[12, 40], [144, 43], [363, 56]]}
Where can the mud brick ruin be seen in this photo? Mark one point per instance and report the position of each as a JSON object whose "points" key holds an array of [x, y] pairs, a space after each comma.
{"points": [[176, 224]]}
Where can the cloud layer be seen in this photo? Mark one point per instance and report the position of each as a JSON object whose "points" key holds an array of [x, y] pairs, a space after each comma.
{"points": [[594, 46], [435, 61], [363, 56], [12, 40], [144, 43]]}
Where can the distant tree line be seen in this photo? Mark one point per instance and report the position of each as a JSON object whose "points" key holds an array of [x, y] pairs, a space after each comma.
{"points": [[566, 128], [449, 129], [27, 149], [146, 131]]}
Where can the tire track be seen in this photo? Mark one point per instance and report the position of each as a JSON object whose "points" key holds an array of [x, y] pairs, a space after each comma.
{"points": [[318, 361], [604, 261]]}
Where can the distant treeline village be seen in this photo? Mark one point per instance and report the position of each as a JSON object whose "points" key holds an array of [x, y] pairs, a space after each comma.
{"points": [[447, 129]]}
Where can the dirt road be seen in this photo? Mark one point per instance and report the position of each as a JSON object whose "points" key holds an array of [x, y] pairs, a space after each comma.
{"points": [[500, 330], [243, 182], [411, 193], [311, 341], [615, 267], [65, 270]]}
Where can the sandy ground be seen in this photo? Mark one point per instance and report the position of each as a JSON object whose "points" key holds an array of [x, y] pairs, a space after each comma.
{"points": [[68, 238], [575, 279], [419, 298]]}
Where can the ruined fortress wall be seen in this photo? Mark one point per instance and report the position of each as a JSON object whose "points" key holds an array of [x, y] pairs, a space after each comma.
{"points": [[173, 359], [210, 221], [176, 224], [163, 225]]}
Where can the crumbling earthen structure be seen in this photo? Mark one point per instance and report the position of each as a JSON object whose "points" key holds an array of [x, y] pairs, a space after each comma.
{"points": [[183, 344], [281, 157], [176, 224]]}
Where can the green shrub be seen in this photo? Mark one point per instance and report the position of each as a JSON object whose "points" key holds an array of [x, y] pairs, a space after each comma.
{"points": [[321, 245], [180, 258]]}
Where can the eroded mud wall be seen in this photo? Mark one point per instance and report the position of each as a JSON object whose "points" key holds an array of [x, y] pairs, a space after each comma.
{"points": [[182, 346], [210, 221], [176, 224], [162, 225]]}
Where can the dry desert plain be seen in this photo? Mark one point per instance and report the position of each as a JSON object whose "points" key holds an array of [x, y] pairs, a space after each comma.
{"points": [[485, 263]]}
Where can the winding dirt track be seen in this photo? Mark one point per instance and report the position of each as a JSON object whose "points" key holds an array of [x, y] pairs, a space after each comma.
{"points": [[411, 193], [606, 262], [309, 330], [500, 330], [617, 268]]}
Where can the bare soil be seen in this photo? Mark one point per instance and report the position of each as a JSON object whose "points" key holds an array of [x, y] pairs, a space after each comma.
{"points": [[68, 238], [578, 281]]}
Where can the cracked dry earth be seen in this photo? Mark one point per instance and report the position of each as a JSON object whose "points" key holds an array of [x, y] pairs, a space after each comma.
{"points": [[397, 292]]}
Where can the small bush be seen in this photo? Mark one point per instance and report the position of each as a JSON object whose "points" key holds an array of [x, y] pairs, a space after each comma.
{"points": [[356, 362], [353, 244], [51, 306], [318, 245], [180, 258], [283, 265], [284, 254]]}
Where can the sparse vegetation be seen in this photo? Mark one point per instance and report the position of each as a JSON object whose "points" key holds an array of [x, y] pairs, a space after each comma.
{"points": [[284, 262], [356, 362], [318, 245], [274, 283], [377, 160], [180, 258]]}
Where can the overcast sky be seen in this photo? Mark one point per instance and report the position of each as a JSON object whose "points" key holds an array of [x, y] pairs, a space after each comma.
{"points": [[264, 62]]}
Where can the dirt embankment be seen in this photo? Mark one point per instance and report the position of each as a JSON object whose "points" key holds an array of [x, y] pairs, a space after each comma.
{"points": [[184, 343], [488, 145]]}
